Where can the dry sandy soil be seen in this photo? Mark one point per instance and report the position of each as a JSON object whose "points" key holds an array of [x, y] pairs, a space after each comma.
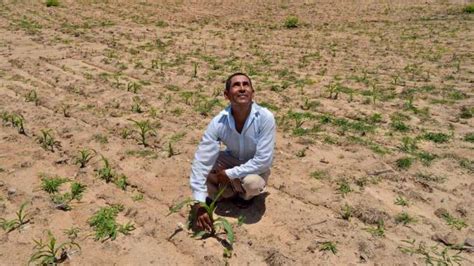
{"points": [[373, 100]]}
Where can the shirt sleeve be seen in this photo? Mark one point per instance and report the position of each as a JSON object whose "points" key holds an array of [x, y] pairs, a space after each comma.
{"points": [[263, 157], [204, 159]]}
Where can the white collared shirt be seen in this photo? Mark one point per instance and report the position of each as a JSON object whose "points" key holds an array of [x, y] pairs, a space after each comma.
{"points": [[253, 146]]}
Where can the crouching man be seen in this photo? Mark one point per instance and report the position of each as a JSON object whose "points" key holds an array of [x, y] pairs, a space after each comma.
{"points": [[248, 132]]}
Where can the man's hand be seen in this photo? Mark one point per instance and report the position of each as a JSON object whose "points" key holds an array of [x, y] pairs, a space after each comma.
{"points": [[203, 221], [222, 177]]}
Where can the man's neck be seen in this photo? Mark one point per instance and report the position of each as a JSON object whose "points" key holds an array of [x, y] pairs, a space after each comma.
{"points": [[240, 113]]}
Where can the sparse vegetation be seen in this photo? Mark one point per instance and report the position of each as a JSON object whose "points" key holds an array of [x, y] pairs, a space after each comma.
{"points": [[105, 225], [22, 218], [51, 252]]}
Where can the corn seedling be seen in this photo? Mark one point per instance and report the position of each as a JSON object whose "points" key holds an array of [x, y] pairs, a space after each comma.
{"points": [[51, 184], [77, 189], [219, 223], [105, 225], [51, 252], [404, 218], [105, 172], [319, 174], [346, 212], [171, 151], [47, 140], [121, 182], [401, 201], [344, 188], [65, 108], [138, 197], [454, 222], [378, 231], [133, 87], [18, 121], [50, 3], [143, 128], [31, 96], [432, 255], [22, 217], [328, 246], [84, 156], [72, 233]]}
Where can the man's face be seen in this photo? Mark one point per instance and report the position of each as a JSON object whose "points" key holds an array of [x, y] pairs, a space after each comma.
{"points": [[240, 92]]}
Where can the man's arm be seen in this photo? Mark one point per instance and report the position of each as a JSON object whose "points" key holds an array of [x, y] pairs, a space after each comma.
{"points": [[204, 159], [263, 157]]}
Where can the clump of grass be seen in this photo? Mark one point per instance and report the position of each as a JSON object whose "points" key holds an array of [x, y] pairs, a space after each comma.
{"points": [[469, 8], [432, 255], [404, 162], [51, 252], [319, 174], [454, 222], [50, 3], [469, 137], [32, 96], [436, 137], [425, 157], [47, 140], [346, 212], [344, 188], [400, 126], [84, 156], [401, 201], [291, 22], [51, 184], [378, 231], [404, 218], [328, 246], [105, 225], [105, 173]]}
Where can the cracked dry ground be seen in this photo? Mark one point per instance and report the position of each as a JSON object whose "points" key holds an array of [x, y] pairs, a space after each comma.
{"points": [[374, 103]]}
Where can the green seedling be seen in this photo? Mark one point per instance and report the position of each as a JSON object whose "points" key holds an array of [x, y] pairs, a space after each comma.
{"points": [[106, 173], [432, 255], [346, 212], [404, 163], [18, 121], [301, 153], [50, 3], [319, 174], [51, 184], [378, 231], [143, 128], [454, 222], [121, 182], [51, 252], [22, 217], [134, 87], [171, 151], [84, 156], [138, 197], [469, 137], [77, 189], [436, 137], [31, 96], [72, 233], [404, 218], [47, 140], [105, 225], [401, 201], [65, 108], [328, 246], [344, 188], [291, 22], [219, 223], [409, 144]]}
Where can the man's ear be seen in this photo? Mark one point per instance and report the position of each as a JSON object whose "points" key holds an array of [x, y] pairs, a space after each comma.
{"points": [[225, 95]]}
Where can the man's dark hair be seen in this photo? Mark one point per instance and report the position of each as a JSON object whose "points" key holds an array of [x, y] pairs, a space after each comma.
{"points": [[227, 82]]}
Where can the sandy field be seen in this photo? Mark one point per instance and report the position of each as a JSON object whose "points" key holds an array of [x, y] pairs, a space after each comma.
{"points": [[374, 160]]}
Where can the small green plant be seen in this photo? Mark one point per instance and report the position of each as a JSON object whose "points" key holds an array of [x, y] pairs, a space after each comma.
{"points": [[328, 246], [291, 22], [401, 201], [436, 137], [469, 8], [84, 156], [31, 96], [134, 87], [319, 174], [425, 157], [378, 231], [18, 121], [404, 162], [404, 218], [432, 255], [454, 222], [72, 233], [51, 184], [409, 145], [51, 252], [121, 182], [47, 140], [400, 126], [22, 217], [219, 223], [138, 197], [469, 137], [106, 173], [143, 128], [105, 225], [50, 3], [301, 153], [344, 188], [171, 151], [77, 189], [346, 212]]}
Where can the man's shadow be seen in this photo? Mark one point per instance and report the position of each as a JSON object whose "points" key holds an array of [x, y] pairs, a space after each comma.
{"points": [[250, 215]]}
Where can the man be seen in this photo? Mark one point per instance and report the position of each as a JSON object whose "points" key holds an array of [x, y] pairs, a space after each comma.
{"points": [[248, 132]]}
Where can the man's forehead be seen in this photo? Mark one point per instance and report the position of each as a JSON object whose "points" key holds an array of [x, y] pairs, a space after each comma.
{"points": [[239, 78]]}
